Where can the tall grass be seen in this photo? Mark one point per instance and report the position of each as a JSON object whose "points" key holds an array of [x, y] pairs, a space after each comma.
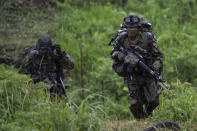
{"points": [[28, 107], [25, 106]]}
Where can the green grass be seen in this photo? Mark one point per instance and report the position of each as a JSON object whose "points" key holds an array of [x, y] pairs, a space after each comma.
{"points": [[25, 106]]}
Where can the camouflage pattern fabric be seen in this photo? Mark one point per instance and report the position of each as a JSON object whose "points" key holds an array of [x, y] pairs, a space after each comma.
{"points": [[143, 89], [41, 67], [47, 67]]}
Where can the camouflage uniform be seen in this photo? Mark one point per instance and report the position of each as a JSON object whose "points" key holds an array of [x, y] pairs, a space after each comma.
{"points": [[143, 89], [46, 62]]}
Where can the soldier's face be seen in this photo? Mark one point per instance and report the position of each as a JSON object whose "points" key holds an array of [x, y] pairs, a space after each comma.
{"points": [[133, 34]]}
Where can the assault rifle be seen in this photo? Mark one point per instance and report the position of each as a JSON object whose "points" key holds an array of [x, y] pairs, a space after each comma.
{"points": [[59, 70], [141, 63]]}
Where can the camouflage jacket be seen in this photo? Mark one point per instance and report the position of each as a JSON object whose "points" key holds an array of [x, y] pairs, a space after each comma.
{"points": [[48, 66], [146, 45]]}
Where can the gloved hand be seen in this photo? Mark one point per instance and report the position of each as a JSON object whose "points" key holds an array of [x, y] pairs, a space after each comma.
{"points": [[131, 59], [157, 65], [58, 49], [118, 55]]}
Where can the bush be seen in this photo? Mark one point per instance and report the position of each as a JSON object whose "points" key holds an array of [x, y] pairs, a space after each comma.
{"points": [[179, 104]]}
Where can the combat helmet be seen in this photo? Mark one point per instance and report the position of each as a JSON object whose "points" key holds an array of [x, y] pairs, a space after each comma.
{"points": [[131, 21], [43, 41], [134, 21]]}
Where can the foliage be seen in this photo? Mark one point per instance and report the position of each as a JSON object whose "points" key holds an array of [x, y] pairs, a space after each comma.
{"points": [[178, 105], [22, 104], [86, 27]]}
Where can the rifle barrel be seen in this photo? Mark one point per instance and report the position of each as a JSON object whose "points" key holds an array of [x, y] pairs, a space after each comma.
{"points": [[166, 86]]}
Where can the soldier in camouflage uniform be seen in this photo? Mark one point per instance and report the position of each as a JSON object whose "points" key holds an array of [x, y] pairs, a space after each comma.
{"points": [[143, 89], [45, 62]]}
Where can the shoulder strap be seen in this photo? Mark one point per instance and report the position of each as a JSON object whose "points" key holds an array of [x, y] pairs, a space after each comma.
{"points": [[117, 35]]}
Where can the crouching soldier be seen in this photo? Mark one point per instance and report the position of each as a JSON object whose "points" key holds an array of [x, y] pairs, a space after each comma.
{"points": [[45, 62], [136, 55]]}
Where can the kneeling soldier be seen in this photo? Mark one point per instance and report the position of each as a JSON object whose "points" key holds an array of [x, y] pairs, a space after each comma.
{"points": [[45, 62]]}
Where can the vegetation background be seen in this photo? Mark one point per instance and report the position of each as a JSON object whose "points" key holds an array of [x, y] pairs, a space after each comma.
{"points": [[97, 97]]}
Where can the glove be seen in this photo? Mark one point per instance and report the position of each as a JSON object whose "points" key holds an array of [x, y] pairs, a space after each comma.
{"points": [[131, 59], [157, 66], [58, 49], [118, 55]]}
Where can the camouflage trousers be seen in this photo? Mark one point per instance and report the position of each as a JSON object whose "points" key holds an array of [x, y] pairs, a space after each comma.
{"points": [[56, 87], [143, 95]]}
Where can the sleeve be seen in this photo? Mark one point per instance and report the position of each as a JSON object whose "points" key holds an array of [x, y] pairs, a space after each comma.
{"points": [[118, 62], [157, 56], [28, 66]]}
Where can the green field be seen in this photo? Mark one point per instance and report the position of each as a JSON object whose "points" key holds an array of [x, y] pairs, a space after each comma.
{"points": [[91, 24]]}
